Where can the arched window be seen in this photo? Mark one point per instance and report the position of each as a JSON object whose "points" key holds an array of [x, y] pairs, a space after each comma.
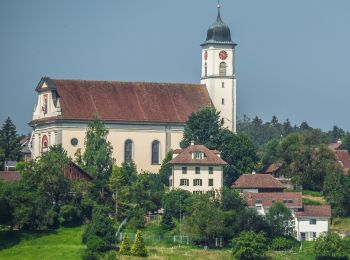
{"points": [[222, 69], [44, 143], [155, 152], [128, 151], [205, 69]]}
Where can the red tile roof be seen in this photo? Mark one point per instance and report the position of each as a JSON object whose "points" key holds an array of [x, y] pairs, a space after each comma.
{"points": [[315, 211], [290, 199], [273, 168], [344, 159], [185, 156], [129, 101], [334, 146], [10, 176], [256, 181]]}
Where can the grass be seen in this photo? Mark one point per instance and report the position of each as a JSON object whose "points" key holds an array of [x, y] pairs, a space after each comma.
{"points": [[64, 243], [340, 225]]}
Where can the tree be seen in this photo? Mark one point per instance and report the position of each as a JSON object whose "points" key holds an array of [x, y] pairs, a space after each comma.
{"points": [[165, 169], [97, 157], [125, 246], [167, 221], [249, 245], [9, 142], [280, 219], [138, 248], [251, 220], [346, 143], [204, 128], [230, 199], [331, 245], [172, 200], [336, 133]]}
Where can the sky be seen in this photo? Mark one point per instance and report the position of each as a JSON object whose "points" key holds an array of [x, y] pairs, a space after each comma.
{"points": [[292, 58]]}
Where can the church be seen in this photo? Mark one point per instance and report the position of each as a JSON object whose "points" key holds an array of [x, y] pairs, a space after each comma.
{"points": [[145, 119]]}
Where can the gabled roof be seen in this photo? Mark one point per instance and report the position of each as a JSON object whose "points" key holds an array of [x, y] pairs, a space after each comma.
{"points": [[273, 168], [257, 181], [290, 199], [10, 176], [343, 158], [315, 211], [185, 156], [128, 101]]}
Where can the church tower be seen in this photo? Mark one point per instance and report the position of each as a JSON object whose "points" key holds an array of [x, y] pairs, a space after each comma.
{"points": [[218, 70]]}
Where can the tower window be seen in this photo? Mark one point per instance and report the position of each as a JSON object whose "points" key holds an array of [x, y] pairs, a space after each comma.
{"points": [[128, 150], [155, 152], [205, 69], [223, 101], [44, 143], [222, 84], [222, 69]]}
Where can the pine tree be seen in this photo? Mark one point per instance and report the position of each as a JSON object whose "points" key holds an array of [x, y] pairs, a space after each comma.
{"points": [[138, 248], [125, 246], [9, 142], [167, 221]]}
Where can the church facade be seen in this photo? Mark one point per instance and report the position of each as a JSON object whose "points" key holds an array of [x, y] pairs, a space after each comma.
{"points": [[145, 120]]}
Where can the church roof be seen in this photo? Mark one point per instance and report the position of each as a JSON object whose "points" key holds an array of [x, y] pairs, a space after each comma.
{"points": [[129, 101]]}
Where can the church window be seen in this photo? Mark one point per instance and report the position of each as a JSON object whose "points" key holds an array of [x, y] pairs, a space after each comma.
{"points": [[155, 152], [223, 101], [205, 69], [222, 69], [128, 150], [44, 143]]}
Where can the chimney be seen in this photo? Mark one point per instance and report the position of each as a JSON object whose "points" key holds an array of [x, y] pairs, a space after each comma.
{"points": [[253, 172], [192, 142], [339, 141]]}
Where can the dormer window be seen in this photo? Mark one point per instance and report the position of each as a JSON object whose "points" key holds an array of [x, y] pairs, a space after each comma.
{"points": [[197, 155], [258, 201]]}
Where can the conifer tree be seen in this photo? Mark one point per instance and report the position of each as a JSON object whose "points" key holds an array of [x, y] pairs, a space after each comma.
{"points": [[125, 246], [10, 146], [138, 248], [167, 221]]}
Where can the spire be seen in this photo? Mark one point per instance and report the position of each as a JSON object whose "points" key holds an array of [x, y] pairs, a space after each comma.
{"points": [[218, 6]]}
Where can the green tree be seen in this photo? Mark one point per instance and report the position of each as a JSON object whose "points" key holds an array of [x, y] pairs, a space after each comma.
{"points": [[231, 199], [165, 169], [125, 246], [138, 247], [249, 245], [167, 221], [280, 219], [336, 133], [172, 200], [9, 143], [251, 220], [97, 157], [331, 245], [346, 143]]}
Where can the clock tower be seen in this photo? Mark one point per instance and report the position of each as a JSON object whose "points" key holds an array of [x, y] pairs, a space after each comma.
{"points": [[218, 70]]}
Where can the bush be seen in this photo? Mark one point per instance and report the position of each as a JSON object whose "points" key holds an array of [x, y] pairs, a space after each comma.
{"points": [[311, 202], [95, 244], [89, 255], [137, 220], [249, 245], [138, 248], [125, 246], [167, 221], [330, 245], [70, 215], [283, 244]]}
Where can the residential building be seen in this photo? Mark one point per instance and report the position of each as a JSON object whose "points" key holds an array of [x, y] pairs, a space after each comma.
{"points": [[196, 169], [258, 183], [145, 120]]}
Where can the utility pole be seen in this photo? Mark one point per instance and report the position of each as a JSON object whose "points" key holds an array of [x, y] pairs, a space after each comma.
{"points": [[116, 204], [180, 221]]}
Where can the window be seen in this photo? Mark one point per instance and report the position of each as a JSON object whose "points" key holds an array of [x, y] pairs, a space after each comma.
{"points": [[128, 150], [197, 155], [184, 182], [222, 69], [211, 170], [314, 235], [198, 170], [222, 84], [223, 101], [155, 152], [44, 143], [258, 201], [205, 69], [302, 236], [197, 192], [211, 193], [211, 182], [197, 182], [312, 221], [184, 170], [74, 141], [44, 107]]}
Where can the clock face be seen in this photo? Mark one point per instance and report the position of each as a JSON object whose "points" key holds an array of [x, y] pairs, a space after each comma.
{"points": [[205, 55], [223, 55]]}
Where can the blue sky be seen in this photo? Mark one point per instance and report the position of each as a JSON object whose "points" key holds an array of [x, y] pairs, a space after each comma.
{"points": [[293, 57]]}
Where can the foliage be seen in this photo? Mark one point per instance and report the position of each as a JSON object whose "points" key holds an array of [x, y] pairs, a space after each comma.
{"points": [[231, 199], [330, 244], [125, 246], [165, 169], [70, 215], [171, 202], [336, 133], [138, 247], [10, 147], [137, 218], [249, 245], [346, 143], [167, 221], [283, 243], [280, 219], [97, 158]]}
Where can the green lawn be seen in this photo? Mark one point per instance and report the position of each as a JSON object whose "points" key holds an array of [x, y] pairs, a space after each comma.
{"points": [[340, 225], [64, 243]]}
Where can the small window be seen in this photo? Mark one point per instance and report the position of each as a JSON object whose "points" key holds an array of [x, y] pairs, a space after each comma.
{"points": [[314, 235], [44, 142], [198, 170], [155, 152], [184, 170], [223, 101], [211, 170], [211, 193], [223, 84], [184, 182], [197, 192], [205, 69], [128, 150], [74, 141], [197, 182], [197, 155], [258, 201], [312, 221], [211, 182], [222, 69]]}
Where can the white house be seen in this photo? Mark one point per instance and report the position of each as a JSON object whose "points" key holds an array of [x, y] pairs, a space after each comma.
{"points": [[197, 169]]}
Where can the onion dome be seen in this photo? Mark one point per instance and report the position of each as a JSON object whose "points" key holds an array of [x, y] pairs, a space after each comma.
{"points": [[218, 32]]}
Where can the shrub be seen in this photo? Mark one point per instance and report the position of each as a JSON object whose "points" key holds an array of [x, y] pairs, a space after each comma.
{"points": [[283, 244], [70, 214], [95, 244], [138, 248], [167, 221], [137, 220], [330, 245], [249, 245], [125, 246]]}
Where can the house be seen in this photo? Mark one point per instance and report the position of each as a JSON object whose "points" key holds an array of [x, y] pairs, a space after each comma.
{"points": [[25, 148], [312, 221], [197, 169], [263, 201], [342, 156], [258, 183], [10, 166], [145, 119]]}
